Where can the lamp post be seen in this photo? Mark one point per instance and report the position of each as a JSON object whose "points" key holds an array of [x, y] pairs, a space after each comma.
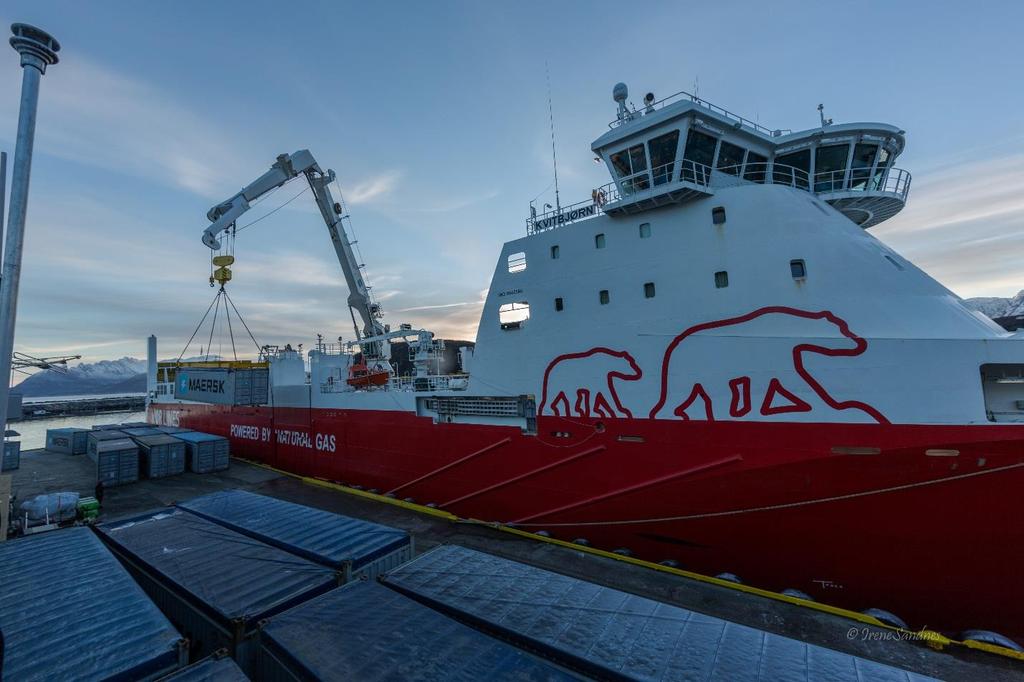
{"points": [[38, 49]]}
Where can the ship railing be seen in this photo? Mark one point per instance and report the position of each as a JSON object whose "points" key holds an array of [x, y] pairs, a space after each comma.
{"points": [[721, 111], [892, 180], [681, 170], [433, 382]]}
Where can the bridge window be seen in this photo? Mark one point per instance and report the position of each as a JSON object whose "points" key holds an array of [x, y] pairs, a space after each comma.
{"points": [[718, 215], [798, 269], [554, 252], [700, 149], [755, 168], [830, 167], [513, 315], [721, 279], [730, 158], [878, 181], [645, 230], [663, 156], [860, 167], [792, 169], [649, 290], [629, 162], [599, 241], [517, 262], [603, 297], [559, 306]]}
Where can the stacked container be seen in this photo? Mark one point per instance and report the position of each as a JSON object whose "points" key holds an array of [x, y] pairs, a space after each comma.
{"points": [[205, 452], [141, 431], [172, 429], [354, 548], [213, 583], [117, 461], [342, 634], [70, 441], [95, 436], [160, 455], [11, 458], [69, 611]]}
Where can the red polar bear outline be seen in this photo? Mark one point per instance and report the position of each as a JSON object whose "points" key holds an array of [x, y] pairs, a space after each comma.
{"points": [[599, 405], [737, 409]]}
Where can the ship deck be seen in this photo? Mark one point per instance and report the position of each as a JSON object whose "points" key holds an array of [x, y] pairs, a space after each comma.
{"points": [[42, 471]]}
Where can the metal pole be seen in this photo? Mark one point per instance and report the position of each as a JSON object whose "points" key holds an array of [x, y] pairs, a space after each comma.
{"points": [[38, 50], [3, 196]]}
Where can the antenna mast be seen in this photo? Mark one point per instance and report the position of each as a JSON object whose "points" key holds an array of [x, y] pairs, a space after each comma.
{"points": [[551, 120]]}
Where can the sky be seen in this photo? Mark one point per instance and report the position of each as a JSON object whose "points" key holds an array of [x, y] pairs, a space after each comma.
{"points": [[435, 117]]}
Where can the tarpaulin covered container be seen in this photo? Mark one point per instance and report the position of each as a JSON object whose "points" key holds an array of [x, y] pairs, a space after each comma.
{"points": [[219, 667], [94, 437], [172, 429], [70, 441], [117, 461], [141, 431], [160, 455], [214, 584], [222, 385], [107, 427], [364, 631], [69, 611], [205, 452], [356, 548], [607, 633]]}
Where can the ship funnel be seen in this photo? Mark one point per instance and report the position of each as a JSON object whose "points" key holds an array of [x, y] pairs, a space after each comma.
{"points": [[619, 93]]}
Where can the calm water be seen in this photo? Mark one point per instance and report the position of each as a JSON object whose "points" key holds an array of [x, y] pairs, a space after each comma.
{"points": [[33, 432]]}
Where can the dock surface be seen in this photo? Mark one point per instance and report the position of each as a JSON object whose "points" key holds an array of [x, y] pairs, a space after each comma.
{"points": [[43, 471]]}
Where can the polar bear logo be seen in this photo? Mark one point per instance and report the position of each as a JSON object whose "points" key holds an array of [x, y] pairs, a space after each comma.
{"points": [[694, 386], [583, 384]]}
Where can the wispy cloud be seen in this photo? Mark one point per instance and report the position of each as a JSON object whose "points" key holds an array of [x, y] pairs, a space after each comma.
{"points": [[963, 224], [373, 188], [438, 307], [95, 115]]}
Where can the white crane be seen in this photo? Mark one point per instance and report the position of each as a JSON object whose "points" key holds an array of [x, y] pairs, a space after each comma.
{"points": [[287, 167]]}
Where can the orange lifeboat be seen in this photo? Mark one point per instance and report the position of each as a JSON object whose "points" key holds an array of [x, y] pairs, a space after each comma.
{"points": [[361, 376]]}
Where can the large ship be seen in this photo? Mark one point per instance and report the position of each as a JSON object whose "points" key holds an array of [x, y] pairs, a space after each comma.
{"points": [[710, 362]]}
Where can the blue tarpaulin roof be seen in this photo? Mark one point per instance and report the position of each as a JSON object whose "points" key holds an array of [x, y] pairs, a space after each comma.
{"points": [[365, 631], [609, 633], [226, 574], [197, 436], [211, 669], [70, 611], [320, 536]]}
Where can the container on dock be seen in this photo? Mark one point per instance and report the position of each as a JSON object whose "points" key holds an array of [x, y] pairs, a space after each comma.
{"points": [[355, 548], [222, 385], [106, 427], [137, 425], [341, 635], [205, 452], [214, 584], [69, 610], [140, 431], [11, 456], [610, 634], [218, 667], [173, 429], [117, 462], [160, 455], [94, 437], [70, 441]]}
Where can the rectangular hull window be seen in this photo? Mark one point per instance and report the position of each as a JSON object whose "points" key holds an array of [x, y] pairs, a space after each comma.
{"points": [[514, 315], [603, 297], [721, 279], [517, 262]]}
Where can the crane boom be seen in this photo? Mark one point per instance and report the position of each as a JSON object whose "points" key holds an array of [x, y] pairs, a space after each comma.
{"points": [[223, 216]]}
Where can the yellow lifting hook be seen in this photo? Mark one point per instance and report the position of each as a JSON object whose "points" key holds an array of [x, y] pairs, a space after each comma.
{"points": [[222, 275]]}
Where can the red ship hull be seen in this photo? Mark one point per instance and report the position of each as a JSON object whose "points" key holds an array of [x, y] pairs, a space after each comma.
{"points": [[923, 521]]}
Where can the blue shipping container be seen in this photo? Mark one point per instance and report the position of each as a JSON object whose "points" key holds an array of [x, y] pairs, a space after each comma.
{"points": [[69, 611], [609, 633], [213, 583], [206, 452], [70, 441], [216, 668], [364, 631], [355, 547]]}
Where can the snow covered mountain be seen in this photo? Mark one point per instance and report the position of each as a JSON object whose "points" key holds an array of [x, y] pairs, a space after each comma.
{"points": [[994, 306], [127, 375]]}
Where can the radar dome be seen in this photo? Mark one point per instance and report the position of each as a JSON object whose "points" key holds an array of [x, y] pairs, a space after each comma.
{"points": [[620, 92]]}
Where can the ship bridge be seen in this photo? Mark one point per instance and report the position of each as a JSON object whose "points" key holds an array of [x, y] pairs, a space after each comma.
{"points": [[683, 148]]}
